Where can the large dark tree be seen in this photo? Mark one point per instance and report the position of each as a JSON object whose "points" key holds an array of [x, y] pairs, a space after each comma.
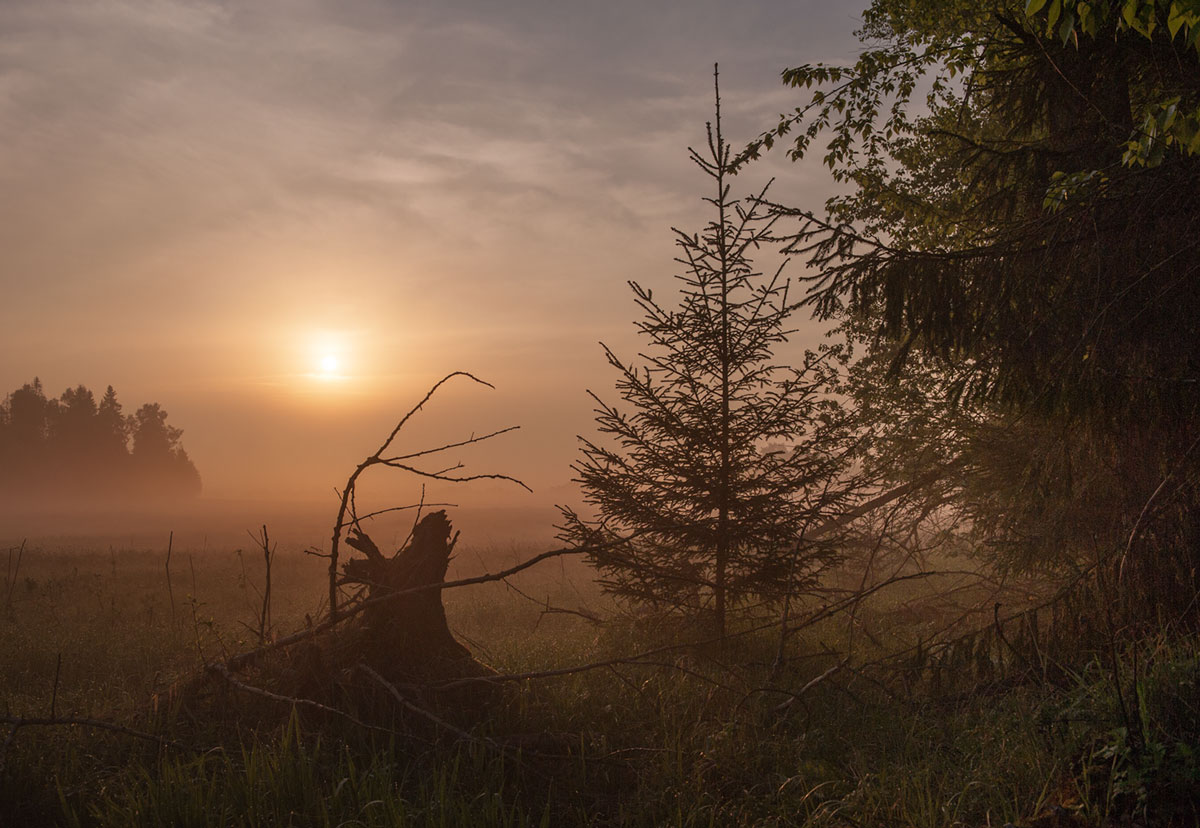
{"points": [[1032, 234], [720, 458], [1005, 224]]}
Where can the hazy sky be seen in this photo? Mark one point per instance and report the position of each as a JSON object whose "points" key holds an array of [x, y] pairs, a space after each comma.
{"points": [[201, 201]]}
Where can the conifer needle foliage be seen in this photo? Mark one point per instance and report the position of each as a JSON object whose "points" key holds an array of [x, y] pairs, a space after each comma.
{"points": [[717, 459]]}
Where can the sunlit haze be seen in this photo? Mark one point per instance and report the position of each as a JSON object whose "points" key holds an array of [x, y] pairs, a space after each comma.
{"points": [[283, 221]]}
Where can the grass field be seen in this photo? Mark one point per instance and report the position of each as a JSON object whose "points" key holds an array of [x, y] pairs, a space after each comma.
{"points": [[701, 735]]}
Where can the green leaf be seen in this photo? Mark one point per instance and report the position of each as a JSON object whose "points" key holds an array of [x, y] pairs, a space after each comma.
{"points": [[1175, 20], [1033, 7], [1087, 19], [1129, 12], [1067, 28]]}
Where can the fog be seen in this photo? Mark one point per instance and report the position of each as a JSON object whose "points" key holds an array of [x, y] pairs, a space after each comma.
{"points": [[206, 203]]}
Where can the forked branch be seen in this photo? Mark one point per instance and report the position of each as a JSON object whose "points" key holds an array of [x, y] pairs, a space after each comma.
{"points": [[377, 458]]}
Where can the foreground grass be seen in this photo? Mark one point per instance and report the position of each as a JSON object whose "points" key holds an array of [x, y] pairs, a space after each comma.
{"points": [[695, 738]]}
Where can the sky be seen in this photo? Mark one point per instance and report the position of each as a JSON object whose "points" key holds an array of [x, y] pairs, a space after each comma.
{"points": [[284, 220]]}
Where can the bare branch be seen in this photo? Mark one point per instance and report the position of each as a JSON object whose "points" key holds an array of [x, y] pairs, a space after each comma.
{"points": [[347, 495], [18, 722], [220, 670], [470, 440]]}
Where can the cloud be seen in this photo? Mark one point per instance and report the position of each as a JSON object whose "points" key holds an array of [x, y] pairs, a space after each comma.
{"points": [[198, 176]]}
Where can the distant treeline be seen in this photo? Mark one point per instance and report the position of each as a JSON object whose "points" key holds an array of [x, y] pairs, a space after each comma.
{"points": [[75, 447]]}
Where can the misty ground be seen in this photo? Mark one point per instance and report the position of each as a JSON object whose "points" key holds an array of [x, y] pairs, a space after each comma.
{"points": [[219, 523], [692, 735]]}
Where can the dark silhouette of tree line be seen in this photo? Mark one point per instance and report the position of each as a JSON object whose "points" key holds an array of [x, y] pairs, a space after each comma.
{"points": [[76, 447]]}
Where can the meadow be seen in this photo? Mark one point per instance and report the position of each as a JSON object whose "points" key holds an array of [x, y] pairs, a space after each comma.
{"points": [[658, 731]]}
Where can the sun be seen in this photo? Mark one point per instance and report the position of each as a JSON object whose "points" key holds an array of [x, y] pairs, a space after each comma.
{"points": [[328, 355]]}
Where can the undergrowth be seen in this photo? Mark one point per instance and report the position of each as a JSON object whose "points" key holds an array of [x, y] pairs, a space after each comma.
{"points": [[691, 737]]}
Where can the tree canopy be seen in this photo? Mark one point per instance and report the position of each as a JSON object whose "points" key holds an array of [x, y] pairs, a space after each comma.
{"points": [[1007, 226], [1019, 229]]}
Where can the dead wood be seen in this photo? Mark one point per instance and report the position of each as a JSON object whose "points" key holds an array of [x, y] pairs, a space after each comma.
{"points": [[403, 462], [406, 639], [18, 722], [397, 631]]}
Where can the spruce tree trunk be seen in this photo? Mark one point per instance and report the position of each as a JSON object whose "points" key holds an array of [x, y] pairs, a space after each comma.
{"points": [[723, 494], [719, 580]]}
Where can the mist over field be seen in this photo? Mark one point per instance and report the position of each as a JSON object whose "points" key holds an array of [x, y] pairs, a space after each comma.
{"points": [[614, 414], [285, 223], [223, 524]]}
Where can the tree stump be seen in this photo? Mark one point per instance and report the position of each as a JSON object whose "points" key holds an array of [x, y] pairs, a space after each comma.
{"points": [[407, 638], [403, 642]]}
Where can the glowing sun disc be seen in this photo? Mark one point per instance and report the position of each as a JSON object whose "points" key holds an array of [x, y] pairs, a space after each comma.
{"points": [[329, 364]]}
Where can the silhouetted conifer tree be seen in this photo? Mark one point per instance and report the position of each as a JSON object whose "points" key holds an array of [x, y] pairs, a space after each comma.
{"points": [[716, 514], [73, 439], [113, 430]]}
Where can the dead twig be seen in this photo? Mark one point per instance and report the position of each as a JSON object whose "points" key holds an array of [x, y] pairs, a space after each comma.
{"points": [[54, 692], [377, 458], [170, 591], [18, 722], [10, 574], [856, 597], [264, 616], [631, 660], [412, 707], [548, 609], [798, 695], [377, 512], [295, 701], [1137, 524]]}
